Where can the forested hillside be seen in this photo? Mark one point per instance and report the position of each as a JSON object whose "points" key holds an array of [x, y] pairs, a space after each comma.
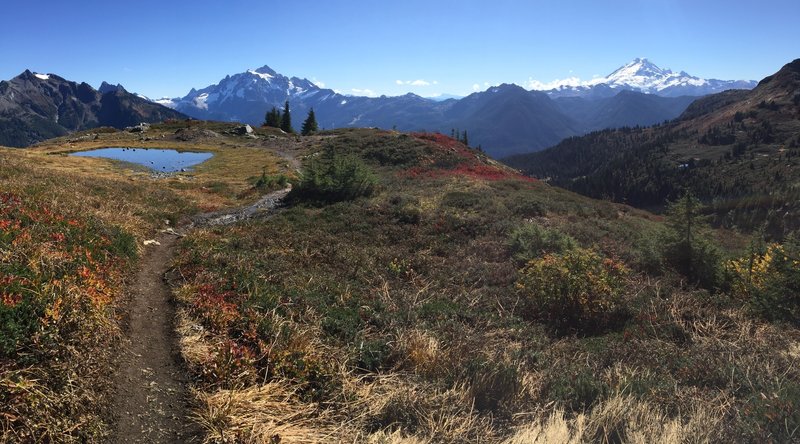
{"points": [[738, 151]]}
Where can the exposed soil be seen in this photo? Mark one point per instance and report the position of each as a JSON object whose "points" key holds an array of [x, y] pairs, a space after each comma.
{"points": [[264, 206], [152, 403], [152, 398]]}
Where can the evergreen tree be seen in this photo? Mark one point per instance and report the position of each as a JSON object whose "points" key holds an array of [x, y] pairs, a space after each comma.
{"points": [[273, 118], [310, 124], [286, 120], [464, 139], [688, 249]]}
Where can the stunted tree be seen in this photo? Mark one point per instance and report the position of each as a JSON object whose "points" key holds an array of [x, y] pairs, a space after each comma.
{"points": [[310, 124], [688, 248], [286, 119], [273, 118]]}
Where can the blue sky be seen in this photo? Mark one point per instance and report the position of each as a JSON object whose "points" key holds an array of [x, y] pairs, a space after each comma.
{"points": [[164, 48]]}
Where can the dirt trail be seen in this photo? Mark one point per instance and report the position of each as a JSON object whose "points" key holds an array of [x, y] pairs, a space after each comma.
{"points": [[152, 396], [262, 207], [152, 399]]}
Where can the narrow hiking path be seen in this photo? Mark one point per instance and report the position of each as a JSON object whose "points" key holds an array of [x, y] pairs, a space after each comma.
{"points": [[262, 207], [152, 395], [152, 400]]}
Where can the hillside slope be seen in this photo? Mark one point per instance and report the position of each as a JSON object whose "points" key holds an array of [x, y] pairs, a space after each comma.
{"points": [[35, 107], [410, 289], [739, 151]]}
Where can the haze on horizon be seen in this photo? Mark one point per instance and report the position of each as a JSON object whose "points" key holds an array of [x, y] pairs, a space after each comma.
{"points": [[450, 47]]}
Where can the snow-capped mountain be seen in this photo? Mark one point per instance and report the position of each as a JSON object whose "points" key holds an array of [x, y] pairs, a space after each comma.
{"points": [[245, 96], [506, 119], [643, 76]]}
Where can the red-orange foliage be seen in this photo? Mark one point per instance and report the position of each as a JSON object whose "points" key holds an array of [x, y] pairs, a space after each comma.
{"points": [[468, 163]]}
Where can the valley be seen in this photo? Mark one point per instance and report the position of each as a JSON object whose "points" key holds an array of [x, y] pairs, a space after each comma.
{"points": [[737, 151]]}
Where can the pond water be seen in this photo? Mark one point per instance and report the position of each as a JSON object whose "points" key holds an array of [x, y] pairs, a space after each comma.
{"points": [[167, 161]]}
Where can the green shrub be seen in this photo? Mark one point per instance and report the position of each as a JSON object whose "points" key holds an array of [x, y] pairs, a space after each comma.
{"points": [[493, 385], [271, 181], [465, 200], [373, 355], [769, 281], [406, 209], [530, 241], [648, 252], [576, 388], [334, 178], [577, 291], [688, 248], [526, 205]]}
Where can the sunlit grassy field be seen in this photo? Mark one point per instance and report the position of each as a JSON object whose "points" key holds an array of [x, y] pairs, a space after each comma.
{"points": [[420, 314], [71, 232], [449, 300]]}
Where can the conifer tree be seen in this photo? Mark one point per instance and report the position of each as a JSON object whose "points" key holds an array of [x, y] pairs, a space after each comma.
{"points": [[464, 139], [310, 124], [286, 120], [688, 249], [273, 118]]}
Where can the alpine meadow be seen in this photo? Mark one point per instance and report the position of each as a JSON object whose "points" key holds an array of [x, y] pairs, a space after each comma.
{"points": [[436, 244]]}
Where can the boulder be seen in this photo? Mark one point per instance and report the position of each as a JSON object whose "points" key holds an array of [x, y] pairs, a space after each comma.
{"points": [[140, 128], [243, 130]]}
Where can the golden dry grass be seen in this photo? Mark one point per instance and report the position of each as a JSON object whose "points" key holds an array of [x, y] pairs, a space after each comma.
{"points": [[621, 419], [63, 401], [461, 363], [216, 183], [263, 414]]}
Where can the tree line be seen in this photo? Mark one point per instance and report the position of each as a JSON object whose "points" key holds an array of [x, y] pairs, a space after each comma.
{"points": [[283, 120]]}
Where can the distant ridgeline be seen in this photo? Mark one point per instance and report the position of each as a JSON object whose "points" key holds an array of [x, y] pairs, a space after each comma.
{"points": [[36, 107], [739, 151], [503, 120]]}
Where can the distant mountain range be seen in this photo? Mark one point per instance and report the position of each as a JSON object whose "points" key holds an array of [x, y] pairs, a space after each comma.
{"points": [[737, 150], [35, 107], [643, 76], [503, 120]]}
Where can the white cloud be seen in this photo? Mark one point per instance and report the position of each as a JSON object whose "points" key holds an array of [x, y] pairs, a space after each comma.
{"points": [[571, 82], [319, 83], [418, 82], [476, 87], [364, 92], [546, 86]]}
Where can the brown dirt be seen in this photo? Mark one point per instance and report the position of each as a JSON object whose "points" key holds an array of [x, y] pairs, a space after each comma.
{"points": [[152, 398], [152, 402]]}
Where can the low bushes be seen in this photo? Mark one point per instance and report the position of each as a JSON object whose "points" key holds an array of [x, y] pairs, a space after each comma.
{"points": [[576, 291], [334, 178], [271, 181], [769, 281], [60, 275], [530, 241]]}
